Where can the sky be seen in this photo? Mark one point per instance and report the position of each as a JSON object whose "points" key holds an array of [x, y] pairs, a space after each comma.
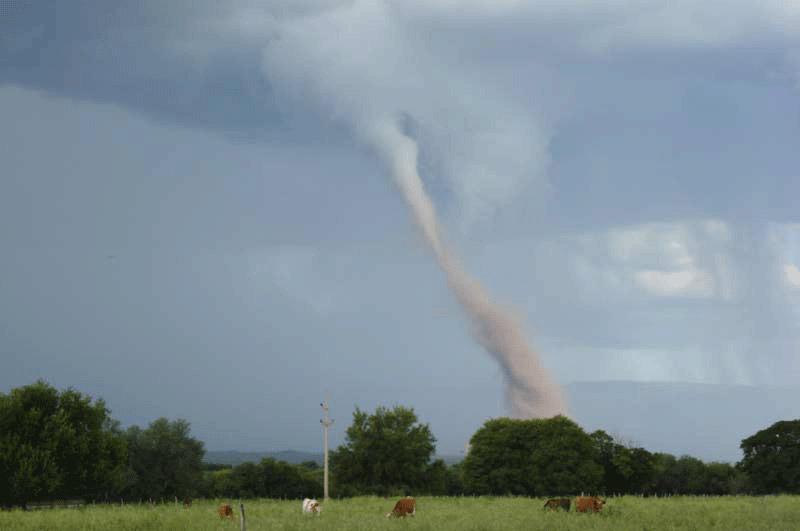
{"points": [[194, 224]]}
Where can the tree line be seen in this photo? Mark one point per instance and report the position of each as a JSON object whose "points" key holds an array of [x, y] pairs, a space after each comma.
{"points": [[65, 445]]}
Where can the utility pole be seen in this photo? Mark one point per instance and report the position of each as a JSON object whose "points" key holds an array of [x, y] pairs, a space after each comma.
{"points": [[326, 423]]}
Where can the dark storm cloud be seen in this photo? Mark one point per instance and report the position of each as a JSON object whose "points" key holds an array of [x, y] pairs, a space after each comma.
{"points": [[129, 54]]}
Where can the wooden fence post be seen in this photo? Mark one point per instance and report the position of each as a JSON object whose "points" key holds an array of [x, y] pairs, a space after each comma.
{"points": [[242, 522]]}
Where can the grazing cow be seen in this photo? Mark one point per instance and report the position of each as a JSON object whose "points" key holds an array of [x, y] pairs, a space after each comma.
{"points": [[403, 507], [558, 503], [187, 502], [225, 511], [311, 506], [585, 504]]}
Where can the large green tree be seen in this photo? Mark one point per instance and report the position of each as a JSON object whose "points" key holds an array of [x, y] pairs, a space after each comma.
{"points": [[537, 457], [165, 459], [385, 451], [772, 458], [57, 444]]}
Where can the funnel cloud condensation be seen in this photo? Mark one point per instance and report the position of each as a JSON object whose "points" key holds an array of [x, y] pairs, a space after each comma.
{"points": [[531, 390]]}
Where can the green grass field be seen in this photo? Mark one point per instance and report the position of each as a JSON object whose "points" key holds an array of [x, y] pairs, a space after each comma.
{"points": [[437, 514]]}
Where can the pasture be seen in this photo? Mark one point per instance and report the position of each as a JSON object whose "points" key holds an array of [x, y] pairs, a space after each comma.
{"points": [[771, 513]]}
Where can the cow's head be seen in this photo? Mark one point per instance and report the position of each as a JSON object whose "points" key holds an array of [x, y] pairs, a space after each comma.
{"points": [[599, 502]]}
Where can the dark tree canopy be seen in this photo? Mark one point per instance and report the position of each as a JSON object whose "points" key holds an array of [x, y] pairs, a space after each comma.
{"points": [[267, 479], [165, 459], [274, 479], [772, 458], [688, 475], [385, 451], [57, 444], [538, 457], [720, 478], [625, 470]]}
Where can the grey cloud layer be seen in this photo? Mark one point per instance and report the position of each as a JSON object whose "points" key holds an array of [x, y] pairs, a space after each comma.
{"points": [[503, 75], [605, 121]]}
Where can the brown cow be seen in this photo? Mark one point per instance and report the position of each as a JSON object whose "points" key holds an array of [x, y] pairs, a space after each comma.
{"points": [[187, 502], [225, 511], [585, 504], [404, 507], [558, 503]]}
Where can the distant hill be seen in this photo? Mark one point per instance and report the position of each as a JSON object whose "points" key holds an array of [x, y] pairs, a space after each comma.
{"points": [[703, 420], [233, 457], [450, 459]]}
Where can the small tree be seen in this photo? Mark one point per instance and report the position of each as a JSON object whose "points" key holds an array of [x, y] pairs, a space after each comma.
{"points": [[247, 481], [772, 458], [436, 479], [625, 470], [385, 451], [721, 478], [666, 481], [455, 479], [218, 483], [606, 451], [165, 459], [692, 474]]}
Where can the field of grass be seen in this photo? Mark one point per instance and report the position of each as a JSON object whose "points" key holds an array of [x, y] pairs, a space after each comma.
{"points": [[437, 514]]}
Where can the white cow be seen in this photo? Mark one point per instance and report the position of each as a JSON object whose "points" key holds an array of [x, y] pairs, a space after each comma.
{"points": [[311, 506]]}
